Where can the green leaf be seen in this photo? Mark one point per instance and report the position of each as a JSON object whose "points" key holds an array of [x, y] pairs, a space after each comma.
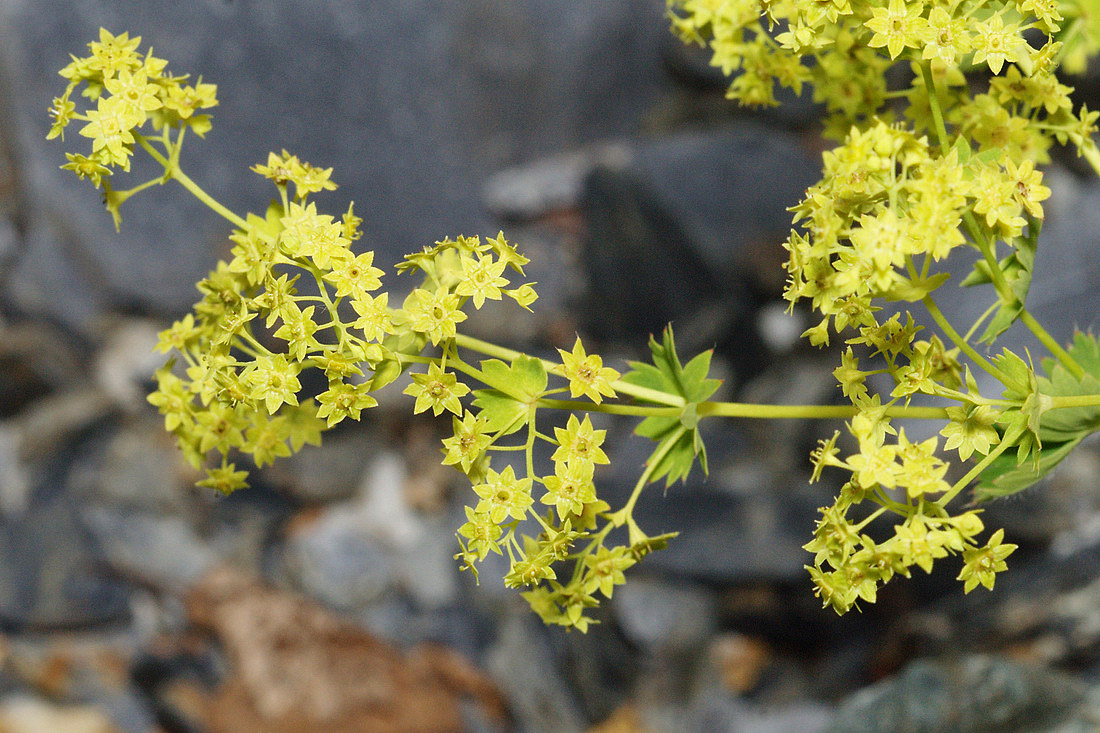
{"points": [[697, 387], [1017, 370], [676, 464], [990, 155], [1065, 423], [1004, 477], [500, 411], [963, 148], [525, 379], [690, 382]]}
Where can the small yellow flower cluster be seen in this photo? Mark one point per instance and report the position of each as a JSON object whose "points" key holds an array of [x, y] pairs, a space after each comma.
{"points": [[127, 90], [923, 169], [842, 48], [956, 167]]}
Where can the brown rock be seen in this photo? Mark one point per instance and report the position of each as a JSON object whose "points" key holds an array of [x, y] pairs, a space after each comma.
{"points": [[298, 667]]}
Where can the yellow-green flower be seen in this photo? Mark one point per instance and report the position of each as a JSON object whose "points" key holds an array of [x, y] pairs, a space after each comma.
{"points": [[225, 479], [982, 564], [897, 27], [343, 400], [579, 441], [438, 390], [586, 374], [503, 495], [995, 43]]}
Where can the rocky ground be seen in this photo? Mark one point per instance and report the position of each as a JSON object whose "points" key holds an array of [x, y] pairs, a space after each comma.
{"points": [[325, 597]]}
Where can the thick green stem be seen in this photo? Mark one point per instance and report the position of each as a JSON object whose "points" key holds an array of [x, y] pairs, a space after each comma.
{"points": [[821, 412], [1077, 400], [610, 408]]}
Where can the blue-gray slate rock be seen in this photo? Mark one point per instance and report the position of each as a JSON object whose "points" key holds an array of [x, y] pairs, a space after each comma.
{"points": [[973, 694], [412, 102], [688, 230], [49, 574]]}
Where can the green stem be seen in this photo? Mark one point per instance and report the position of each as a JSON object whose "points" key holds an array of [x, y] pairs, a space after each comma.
{"points": [[1008, 441], [959, 341], [1092, 155], [981, 319], [176, 173], [500, 352], [1077, 400], [121, 196], [934, 103], [1053, 346], [658, 455], [823, 412], [610, 408]]}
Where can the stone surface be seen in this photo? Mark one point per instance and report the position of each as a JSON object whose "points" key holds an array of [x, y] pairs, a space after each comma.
{"points": [[36, 360], [665, 616], [49, 575], [414, 103], [1046, 609], [297, 667], [350, 553], [524, 664], [87, 669], [164, 552], [971, 693], [25, 714], [694, 219]]}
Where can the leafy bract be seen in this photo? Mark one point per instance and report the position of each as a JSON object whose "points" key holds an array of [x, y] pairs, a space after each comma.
{"points": [[518, 385], [688, 381], [1052, 433]]}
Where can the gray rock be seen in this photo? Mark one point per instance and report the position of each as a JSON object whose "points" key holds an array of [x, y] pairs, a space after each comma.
{"points": [[718, 713], [329, 472], [37, 359], [82, 670], [337, 563], [522, 663], [973, 693], [126, 361], [1049, 605], [663, 616], [138, 468], [536, 188], [696, 220], [354, 551], [15, 484], [162, 551], [49, 574], [413, 103]]}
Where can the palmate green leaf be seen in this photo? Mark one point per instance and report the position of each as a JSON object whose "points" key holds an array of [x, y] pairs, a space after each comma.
{"points": [[525, 378], [1005, 476], [501, 412], [521, 383], [1054, 433], [689, 381]]}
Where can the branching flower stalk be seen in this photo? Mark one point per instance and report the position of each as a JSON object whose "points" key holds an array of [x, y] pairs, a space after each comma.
{"points": [[947, 159]]}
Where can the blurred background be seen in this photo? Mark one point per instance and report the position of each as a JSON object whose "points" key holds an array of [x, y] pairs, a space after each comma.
{"points": [[325, 597]]}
